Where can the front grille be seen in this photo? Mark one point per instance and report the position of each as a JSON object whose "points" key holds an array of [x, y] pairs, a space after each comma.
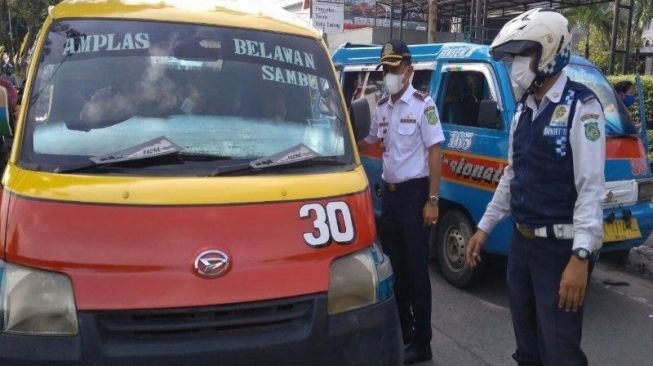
{"points": [[207, 321]]}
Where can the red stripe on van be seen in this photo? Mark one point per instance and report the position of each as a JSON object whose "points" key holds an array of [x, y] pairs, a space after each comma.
{"points": [[624, 147]]}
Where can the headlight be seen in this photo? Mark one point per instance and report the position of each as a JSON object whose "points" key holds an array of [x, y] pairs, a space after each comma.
{"points": [[34, 302], [359, 279], [645, 190]]}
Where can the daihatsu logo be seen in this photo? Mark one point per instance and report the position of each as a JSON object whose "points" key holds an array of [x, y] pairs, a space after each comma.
{"points": [[212, 263]]}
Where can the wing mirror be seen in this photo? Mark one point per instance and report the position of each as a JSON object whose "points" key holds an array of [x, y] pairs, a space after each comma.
{"points": [[360, 117], [6, 114], [489, 115]]}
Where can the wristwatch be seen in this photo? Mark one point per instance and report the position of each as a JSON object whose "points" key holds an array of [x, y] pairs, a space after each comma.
{"points": [[582, 254], [434, 200]]}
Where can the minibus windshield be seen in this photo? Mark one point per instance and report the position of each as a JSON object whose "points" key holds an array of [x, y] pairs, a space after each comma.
{"points": [[106, 85]]}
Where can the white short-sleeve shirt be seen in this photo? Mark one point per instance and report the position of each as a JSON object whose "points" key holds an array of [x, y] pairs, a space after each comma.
{"points": [[407, 129]]}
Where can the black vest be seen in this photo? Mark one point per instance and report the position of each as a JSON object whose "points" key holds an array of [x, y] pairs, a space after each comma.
{"points": [[543, 189]]}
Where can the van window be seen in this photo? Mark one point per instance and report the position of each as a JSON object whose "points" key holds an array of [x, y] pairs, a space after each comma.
{"points": [[464, 91], [104, 86]]}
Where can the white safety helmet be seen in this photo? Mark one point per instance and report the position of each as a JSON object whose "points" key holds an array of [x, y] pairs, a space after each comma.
{"points": [[545, 31]]}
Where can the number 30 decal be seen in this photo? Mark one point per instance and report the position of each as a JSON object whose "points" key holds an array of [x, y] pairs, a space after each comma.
{"points": [[327, 223]]}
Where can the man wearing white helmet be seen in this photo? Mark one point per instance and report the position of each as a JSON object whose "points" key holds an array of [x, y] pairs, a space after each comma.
{"points": [[553, 188]]}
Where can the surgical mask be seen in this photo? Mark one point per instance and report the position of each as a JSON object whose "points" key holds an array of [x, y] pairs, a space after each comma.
{"points": [[393, 83], [521, 72], [629, 100]]}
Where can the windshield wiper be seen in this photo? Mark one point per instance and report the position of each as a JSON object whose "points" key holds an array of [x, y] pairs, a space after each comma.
{"points": [[299, 155], [152, 151]]}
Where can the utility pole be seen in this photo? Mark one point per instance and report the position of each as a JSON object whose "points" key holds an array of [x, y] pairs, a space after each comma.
{"points": [[433, 21]]}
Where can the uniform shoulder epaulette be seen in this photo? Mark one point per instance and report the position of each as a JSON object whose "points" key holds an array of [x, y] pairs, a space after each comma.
{"points": [[420, 95], [586, 97], [383, 100], [585, 94]]}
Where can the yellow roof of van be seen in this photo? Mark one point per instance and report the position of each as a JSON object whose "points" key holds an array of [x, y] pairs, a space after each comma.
{"points": [[251, 14]]}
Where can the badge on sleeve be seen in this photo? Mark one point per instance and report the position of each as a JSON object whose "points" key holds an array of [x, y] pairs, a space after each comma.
{"points": [[592, 131], [431, 116]]}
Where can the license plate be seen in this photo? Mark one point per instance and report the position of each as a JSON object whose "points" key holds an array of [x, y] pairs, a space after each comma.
{"points": [[617, 230]]}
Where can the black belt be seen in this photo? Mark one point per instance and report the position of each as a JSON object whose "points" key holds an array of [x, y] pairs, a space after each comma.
{"points": [[409, 184]]}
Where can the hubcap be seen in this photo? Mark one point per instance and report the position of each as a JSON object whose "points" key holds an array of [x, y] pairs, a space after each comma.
{"points": [[454, 249]]}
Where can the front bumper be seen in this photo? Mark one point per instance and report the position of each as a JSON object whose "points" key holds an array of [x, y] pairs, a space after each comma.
{"points": [[295, 331]]}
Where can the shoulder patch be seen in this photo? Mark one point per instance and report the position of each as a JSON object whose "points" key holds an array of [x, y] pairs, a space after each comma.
{"points": [[592, 131], [420, 95], [382, 100], [431, 115]]}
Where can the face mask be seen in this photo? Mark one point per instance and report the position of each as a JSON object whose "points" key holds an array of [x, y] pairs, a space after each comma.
{"points": [[393, 83], [521, 73], [629, 100]]}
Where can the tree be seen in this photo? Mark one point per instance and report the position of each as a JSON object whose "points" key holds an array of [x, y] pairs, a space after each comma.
{"points": [[591, 18], [4, 24], [32, 13], [642, 15]]}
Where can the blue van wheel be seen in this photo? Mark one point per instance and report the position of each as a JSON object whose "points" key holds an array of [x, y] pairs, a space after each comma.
{"points": [[454, 231]]}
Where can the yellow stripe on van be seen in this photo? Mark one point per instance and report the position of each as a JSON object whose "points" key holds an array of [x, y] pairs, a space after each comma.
{"points": [[104, 189]]}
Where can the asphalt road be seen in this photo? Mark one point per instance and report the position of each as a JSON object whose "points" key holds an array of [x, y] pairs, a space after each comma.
{"points": [[473, 327]]}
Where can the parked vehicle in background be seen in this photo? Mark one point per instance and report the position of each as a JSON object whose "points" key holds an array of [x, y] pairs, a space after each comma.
{"points": [[476, 101]]}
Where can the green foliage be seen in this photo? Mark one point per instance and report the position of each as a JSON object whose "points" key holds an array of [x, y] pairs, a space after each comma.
{"points": [[26, 17], [595, 21], [599, 49]]}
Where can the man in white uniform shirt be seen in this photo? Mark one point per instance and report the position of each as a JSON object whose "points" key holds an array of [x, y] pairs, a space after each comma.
{"points": [[407, 124]]}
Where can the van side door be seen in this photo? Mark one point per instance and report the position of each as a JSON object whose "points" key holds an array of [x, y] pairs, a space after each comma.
{"points": [[471, 108]]}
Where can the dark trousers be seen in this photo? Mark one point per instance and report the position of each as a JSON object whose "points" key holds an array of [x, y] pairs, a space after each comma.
{"points": [[546, 335], [405, 240]]}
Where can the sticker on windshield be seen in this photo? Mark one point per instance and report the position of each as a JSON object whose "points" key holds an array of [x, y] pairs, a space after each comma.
{"points": [[158, 146], [106, 42], [295, 154]]}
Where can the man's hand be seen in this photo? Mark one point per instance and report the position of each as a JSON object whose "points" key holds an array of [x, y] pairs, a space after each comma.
{"points": [[430, 214], [474, 246], [573, 284]]}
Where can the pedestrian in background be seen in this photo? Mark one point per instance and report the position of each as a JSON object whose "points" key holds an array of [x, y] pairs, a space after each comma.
{"points": [[407, 124], [626, 91], [553, 187]]}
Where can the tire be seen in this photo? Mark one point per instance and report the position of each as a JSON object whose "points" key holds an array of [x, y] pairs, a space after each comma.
{"points": [[454, 231]]}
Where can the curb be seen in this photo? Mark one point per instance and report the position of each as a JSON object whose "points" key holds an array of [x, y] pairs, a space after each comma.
{"points": [[640, 261]]}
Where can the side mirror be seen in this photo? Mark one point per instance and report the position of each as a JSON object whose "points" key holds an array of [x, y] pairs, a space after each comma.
{"points": [[360, 118], [5, 114], [489, 115]]}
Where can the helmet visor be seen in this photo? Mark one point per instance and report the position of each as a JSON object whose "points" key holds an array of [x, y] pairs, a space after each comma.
{"points": [[514, 48]]}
